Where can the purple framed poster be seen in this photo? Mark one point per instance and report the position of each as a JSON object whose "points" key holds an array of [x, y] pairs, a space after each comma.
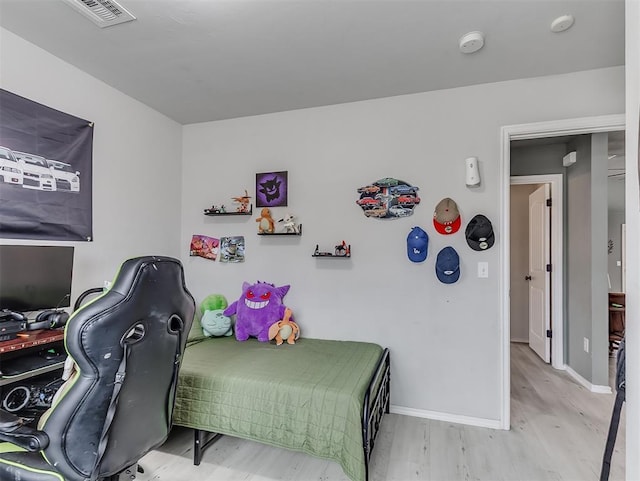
{"points": [[272, 189]]}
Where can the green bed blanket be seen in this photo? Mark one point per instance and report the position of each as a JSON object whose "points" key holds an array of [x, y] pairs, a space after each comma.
{"points": [[306, 397]]}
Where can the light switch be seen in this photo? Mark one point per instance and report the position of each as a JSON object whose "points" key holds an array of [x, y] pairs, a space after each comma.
{"points": [[483, 269]]}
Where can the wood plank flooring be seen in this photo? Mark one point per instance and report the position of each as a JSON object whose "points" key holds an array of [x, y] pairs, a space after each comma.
{"points": [[558, 433]]}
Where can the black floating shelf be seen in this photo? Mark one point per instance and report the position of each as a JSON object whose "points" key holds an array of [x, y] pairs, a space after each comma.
{"points": [[329, 255], [283, 233], [210, 213]]}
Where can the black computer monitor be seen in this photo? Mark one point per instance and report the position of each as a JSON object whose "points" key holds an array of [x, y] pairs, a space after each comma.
{"points": [[35, 277]]}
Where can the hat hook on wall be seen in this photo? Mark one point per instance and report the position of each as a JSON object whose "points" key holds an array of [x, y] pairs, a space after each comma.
{"points": [[472, 172]]}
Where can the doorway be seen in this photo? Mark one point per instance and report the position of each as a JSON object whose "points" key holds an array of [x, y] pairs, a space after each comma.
{"points": [[520, 324], [521, 132]]}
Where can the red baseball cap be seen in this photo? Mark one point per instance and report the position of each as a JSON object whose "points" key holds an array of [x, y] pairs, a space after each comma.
{"points": [[446, 218]]}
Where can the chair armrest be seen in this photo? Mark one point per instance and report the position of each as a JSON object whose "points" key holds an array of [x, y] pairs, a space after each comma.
{"points": [[13, 430]]}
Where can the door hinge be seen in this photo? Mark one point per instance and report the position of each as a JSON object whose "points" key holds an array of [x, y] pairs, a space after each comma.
{"points": [[548, 202], [548, 267], [549, 333]]}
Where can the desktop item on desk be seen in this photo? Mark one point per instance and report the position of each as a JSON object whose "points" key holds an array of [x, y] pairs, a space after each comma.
{"points": [[33, 278], [11, 323], [49, 319]]}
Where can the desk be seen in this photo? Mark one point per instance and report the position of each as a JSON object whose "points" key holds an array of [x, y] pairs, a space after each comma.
{"points": [[29, 344], [24, 344], [31, 339]]}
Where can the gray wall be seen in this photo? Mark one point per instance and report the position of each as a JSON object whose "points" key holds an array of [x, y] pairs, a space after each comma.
{"points": [[136, 161], [616, 219], [599, 283], [445, 339], [534, 158], [587, 259]]}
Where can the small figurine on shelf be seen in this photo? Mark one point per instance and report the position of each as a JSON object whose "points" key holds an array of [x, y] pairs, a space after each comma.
{"points": [[319, 253], [243, 202], [343, 250], [215, 210], [265, 222], [289, 224]]}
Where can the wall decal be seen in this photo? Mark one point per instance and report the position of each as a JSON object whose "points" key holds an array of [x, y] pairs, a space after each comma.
{"points": [[388, 198]]}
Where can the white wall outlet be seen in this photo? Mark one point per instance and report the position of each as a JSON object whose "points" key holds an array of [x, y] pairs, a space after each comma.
{"points": [[586, 344], [619, 263], [483, 269]]}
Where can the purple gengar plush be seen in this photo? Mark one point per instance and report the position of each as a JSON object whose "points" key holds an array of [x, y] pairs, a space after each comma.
{"points": [[259, 306]]}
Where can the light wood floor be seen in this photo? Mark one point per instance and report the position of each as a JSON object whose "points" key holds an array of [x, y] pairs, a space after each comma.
{"points": [[558, 432]]}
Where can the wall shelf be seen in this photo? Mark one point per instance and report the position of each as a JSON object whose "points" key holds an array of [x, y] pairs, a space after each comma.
{"points": [[329, 255], [299, 233], [212, 212]]}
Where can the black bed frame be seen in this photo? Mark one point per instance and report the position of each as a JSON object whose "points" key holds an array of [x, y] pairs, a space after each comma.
{"points": [[375, 405]]}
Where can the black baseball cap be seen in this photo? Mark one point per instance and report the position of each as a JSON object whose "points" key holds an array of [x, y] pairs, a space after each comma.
{"points": [[479, 233]]}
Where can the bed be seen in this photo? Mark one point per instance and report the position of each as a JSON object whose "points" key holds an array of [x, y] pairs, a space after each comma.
{"points": [[321, 397]]}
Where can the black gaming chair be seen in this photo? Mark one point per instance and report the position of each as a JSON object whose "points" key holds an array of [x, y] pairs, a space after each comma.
{"points": [[117, 406]]}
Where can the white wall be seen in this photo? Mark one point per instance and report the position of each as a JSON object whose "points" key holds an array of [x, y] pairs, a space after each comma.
{"points": [[632, 212], [444, 339], [136, 161]]}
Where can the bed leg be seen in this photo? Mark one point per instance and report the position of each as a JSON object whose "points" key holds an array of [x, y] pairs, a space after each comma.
{"points": [[198, 440], [201, 440]]}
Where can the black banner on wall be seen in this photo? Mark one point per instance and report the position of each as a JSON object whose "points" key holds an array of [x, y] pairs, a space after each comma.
{"points": [[45, 172]]}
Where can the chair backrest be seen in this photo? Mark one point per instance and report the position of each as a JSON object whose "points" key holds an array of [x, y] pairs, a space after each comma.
{"points": [[105, 422]]}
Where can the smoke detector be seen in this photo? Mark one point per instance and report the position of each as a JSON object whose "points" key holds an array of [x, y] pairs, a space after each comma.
{"points": [[471, 42], [104, 13], [562, 23]]}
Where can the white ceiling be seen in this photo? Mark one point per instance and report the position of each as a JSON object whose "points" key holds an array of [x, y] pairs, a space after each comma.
{"points": [[200, 60]]}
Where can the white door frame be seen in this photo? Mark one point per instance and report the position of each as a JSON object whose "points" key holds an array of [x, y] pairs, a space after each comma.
{"points": [[557, 259], [587, 125]]}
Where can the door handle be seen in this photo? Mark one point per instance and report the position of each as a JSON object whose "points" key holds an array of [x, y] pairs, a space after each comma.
{"points": [[527, 278]]}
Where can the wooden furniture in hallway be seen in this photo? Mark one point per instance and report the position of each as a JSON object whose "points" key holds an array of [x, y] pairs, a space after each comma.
{"points": [[616, 319]]}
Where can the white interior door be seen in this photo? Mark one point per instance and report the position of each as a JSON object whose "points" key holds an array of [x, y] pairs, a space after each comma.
{"points": [[539, 277]]}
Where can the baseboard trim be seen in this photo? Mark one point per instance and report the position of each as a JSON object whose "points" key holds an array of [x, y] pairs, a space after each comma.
{"points": [[591, 387], [452, 418]]}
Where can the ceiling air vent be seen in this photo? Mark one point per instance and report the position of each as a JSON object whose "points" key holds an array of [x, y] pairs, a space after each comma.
{"points": [[104, 13]]}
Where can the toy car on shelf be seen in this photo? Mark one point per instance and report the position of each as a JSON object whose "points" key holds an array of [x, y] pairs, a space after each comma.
{"points": [[216, 210]]}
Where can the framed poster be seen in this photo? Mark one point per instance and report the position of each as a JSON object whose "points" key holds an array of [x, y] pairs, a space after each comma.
{"points": [[45, 172], [272, 189]]}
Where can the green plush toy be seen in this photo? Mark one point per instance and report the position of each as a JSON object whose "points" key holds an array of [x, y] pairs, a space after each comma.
{"points": [[214, 322]]}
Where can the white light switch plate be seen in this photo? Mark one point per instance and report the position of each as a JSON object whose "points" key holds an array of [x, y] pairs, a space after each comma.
{"points": [[483, 269]]}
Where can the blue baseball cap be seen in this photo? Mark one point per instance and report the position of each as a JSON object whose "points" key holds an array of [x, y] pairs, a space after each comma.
{"points": [[417, 245], [448, 265]]}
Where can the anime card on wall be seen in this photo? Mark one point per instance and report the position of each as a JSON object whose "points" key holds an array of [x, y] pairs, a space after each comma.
{"points": [[232, 249], [272, 189], [204, 246]]}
